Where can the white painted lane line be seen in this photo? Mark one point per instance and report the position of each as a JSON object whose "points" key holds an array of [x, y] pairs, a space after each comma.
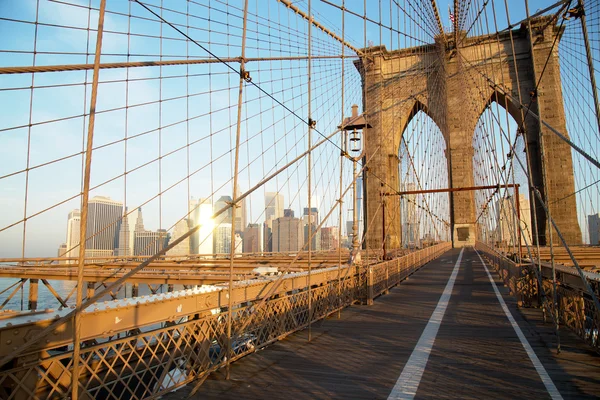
{"points": [[552, 390], [407, 384]]}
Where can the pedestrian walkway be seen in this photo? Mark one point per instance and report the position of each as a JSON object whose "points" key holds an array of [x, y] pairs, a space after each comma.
{"points": [[443, 333]]}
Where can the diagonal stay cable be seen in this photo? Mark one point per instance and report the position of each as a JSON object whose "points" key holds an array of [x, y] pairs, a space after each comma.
{"points": [[58, 322], [236, 71], [520, 105]]}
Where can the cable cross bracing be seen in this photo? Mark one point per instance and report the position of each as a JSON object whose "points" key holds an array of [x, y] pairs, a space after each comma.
{"points": [[143, 133]]}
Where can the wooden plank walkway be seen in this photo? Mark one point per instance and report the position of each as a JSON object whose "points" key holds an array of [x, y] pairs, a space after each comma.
{"points": [[476, 353]]}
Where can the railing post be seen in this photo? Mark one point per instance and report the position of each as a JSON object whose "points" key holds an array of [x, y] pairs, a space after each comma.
{"points": [[33, 295], [370, 294], [387, 277]]}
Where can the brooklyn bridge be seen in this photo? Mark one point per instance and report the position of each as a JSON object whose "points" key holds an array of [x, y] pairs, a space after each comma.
{"points": [[259, 199]]}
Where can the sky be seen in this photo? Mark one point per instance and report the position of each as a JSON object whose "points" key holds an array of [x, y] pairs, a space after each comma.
{"points": [[191, 154]]}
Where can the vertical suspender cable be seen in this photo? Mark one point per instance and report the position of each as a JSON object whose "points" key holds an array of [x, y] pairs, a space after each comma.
{"points": [[235, 192], [340, 303], [544, 163], [310, 124]]}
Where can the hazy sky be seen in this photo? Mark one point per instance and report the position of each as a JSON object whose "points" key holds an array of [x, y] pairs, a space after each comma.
{"points": [[197, 114]]}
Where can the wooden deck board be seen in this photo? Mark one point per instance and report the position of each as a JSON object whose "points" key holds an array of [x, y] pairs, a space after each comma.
{"points": [[361, 355]]}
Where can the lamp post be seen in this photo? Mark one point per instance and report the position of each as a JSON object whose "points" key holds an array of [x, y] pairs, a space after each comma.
{"points": [[353, 148]]}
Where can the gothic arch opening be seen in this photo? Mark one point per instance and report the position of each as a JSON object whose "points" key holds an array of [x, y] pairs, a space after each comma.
{"points": [[500, 160], [423, 165]]}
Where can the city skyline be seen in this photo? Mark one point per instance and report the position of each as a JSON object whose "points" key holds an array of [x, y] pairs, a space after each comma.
{"points": [[116, 226]]}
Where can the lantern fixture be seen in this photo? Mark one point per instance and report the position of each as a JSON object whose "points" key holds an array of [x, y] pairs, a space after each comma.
{"points": [[354, 142]]}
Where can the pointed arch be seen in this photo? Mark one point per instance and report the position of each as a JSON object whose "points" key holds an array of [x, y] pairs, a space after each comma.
{"points": [[501, 99]]}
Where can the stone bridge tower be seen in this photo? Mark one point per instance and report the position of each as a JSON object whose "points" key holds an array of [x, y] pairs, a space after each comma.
{"points": [[454, 87]]}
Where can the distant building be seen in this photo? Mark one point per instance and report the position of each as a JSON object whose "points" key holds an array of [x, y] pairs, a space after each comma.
{"points": [[329, 238], [594, 228], [240, 215], [103, 225], [222, 238], [239, 247], [139, 221], [144, 243], [288, 213], [183, 248], [268, 236], [73, 233], [409, 217], [313, 221], [148, 243], [313, 233], [221, 203], [126, 232], [201, 212], [273, 206], [287, 234], [253, 239], [349, 228], [62, 252], [314, 215]]}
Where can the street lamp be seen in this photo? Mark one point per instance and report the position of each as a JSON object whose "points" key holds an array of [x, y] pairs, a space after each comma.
{"points": [[353, 148]]}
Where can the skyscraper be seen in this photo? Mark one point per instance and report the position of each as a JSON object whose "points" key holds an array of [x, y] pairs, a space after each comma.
{"points": [[314, 215], [103, 224], [62, 252], [145, 243], [148, 243], [329, 238], [594, 228], [252, 238], [273, 205], [183, 248], [223, 238], [201, 212], [73, 233], [126, 233], [224, 217], [287, 234], [313, 222], [268, 236]]}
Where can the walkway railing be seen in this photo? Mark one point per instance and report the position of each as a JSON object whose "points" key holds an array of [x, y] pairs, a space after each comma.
{"points": [[576, 308], [147, 346], [381, 277]]}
